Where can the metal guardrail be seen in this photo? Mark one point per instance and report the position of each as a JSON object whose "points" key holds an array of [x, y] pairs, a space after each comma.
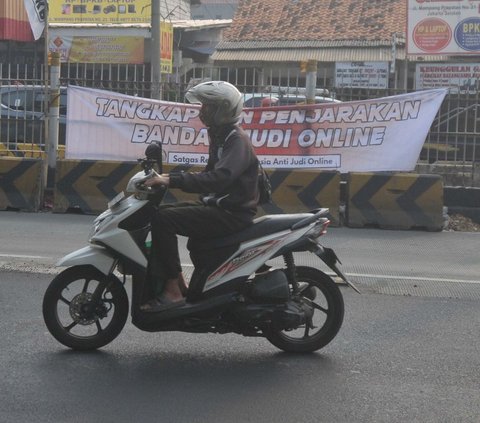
{"points": [[451, 144]]}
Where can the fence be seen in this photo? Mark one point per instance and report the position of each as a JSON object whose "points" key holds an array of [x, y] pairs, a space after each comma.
{"points": [[452, 145]]}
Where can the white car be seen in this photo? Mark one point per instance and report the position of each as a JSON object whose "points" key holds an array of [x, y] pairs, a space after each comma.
{"points": [[270, 99]]}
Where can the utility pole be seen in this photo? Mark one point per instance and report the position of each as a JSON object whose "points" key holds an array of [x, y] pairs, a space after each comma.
{"points": [[53, 113], [311, 81], [46, 101], [393, 64], [155, 51]]}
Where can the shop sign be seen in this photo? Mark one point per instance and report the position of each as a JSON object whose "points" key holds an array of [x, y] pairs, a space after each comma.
{"points": [[99, 11], [361, 75], [459, 77], [443, 27], [98, 49], [166, 47]]}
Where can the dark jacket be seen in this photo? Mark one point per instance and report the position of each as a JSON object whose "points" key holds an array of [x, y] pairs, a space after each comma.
{"points": [[230, 179]]}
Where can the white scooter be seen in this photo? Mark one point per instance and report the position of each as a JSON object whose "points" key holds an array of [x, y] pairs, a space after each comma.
{"points": [[297, 308]]}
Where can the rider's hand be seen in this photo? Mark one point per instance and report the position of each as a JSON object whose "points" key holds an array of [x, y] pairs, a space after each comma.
{"points": [[163, 179]]}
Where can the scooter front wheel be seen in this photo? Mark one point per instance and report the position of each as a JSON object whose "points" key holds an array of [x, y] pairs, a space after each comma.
{"points": [[84, 309], [321, 295]]}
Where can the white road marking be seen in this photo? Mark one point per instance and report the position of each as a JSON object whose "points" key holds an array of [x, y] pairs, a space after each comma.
{"points": [[411, 278], [24, 256], [354, 275]]}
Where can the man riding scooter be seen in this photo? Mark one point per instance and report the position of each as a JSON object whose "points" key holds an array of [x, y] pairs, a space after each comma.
{"points": [[228, 189]]}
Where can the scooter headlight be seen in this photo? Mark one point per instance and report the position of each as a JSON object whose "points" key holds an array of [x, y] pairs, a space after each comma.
{"points": [[98, 224]]}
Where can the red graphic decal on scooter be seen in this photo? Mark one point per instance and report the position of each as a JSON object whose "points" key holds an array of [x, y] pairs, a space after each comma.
{"points": [[246, 257]]}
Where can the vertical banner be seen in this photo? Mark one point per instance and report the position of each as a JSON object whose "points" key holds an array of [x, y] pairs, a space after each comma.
{"points": [[37, 14], [166, 47], [443, 27]]}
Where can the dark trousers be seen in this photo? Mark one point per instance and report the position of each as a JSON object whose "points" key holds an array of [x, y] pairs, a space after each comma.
{"points": [[189, 219]]}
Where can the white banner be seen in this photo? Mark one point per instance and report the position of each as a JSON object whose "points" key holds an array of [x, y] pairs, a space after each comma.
{"points": [[384, 134], [443, 27], [36, 11]]}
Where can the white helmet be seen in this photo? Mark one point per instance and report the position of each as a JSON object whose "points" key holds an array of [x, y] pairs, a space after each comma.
{"points": [[228, 102]]}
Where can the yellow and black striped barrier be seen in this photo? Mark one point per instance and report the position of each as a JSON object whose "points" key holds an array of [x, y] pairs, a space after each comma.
{"points": [[385, 200], [20, 183], [394, 201], [89, 185], [298, 191]]}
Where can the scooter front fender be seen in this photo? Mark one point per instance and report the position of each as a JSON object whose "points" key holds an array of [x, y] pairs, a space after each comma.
{"points": [[96, 256]]}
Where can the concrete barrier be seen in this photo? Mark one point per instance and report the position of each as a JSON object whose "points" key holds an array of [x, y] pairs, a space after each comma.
{"points": [[298, 191], [89, 185], [20, 183], [394, 201]]}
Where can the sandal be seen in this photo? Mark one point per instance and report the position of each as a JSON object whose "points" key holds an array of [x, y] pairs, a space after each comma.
{"points": [[160, 304]]}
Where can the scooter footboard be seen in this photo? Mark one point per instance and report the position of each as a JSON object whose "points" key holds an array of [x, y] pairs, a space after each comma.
{"points": [[98, 257]]}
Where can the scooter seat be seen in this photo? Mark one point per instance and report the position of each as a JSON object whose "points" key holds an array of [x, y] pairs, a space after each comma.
{"points": [[261, 226]]}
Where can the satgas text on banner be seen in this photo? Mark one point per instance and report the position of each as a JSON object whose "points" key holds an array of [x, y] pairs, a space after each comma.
{"points": [[384, 134]]}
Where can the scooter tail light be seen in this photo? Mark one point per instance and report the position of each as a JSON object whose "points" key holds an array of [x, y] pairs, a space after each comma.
{"points": [[319, 229], [324, 227]]}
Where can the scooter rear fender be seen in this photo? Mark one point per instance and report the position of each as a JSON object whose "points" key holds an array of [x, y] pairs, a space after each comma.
{"points": [[328, 256], [96, 256]]}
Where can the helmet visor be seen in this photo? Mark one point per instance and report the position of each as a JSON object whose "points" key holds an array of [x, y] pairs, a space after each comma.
{"points": [[192, 98]]}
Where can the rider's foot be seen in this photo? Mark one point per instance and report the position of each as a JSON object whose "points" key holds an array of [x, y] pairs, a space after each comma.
{"points": [[182, 285], [173, 289], [172, 296]]}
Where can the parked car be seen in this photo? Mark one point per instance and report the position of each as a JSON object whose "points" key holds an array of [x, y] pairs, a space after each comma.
{"points": [[22, 114], [266, 99]]}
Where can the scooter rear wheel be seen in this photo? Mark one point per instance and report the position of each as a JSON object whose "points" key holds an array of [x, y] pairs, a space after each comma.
{"points": [[322, 295], [74, 315]]}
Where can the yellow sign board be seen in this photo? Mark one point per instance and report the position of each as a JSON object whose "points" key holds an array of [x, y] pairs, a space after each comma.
{"points": [[111, 49], [166, 47], [99, 11]]}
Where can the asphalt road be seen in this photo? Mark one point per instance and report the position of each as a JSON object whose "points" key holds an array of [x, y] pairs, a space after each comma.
{"points": [[396, 359], [408, 350]]}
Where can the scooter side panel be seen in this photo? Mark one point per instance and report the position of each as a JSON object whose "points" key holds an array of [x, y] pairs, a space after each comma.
{"points": [[250, 256]]}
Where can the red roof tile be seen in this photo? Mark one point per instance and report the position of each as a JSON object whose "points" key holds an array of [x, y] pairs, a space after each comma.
{"points": [[317, 20]]}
